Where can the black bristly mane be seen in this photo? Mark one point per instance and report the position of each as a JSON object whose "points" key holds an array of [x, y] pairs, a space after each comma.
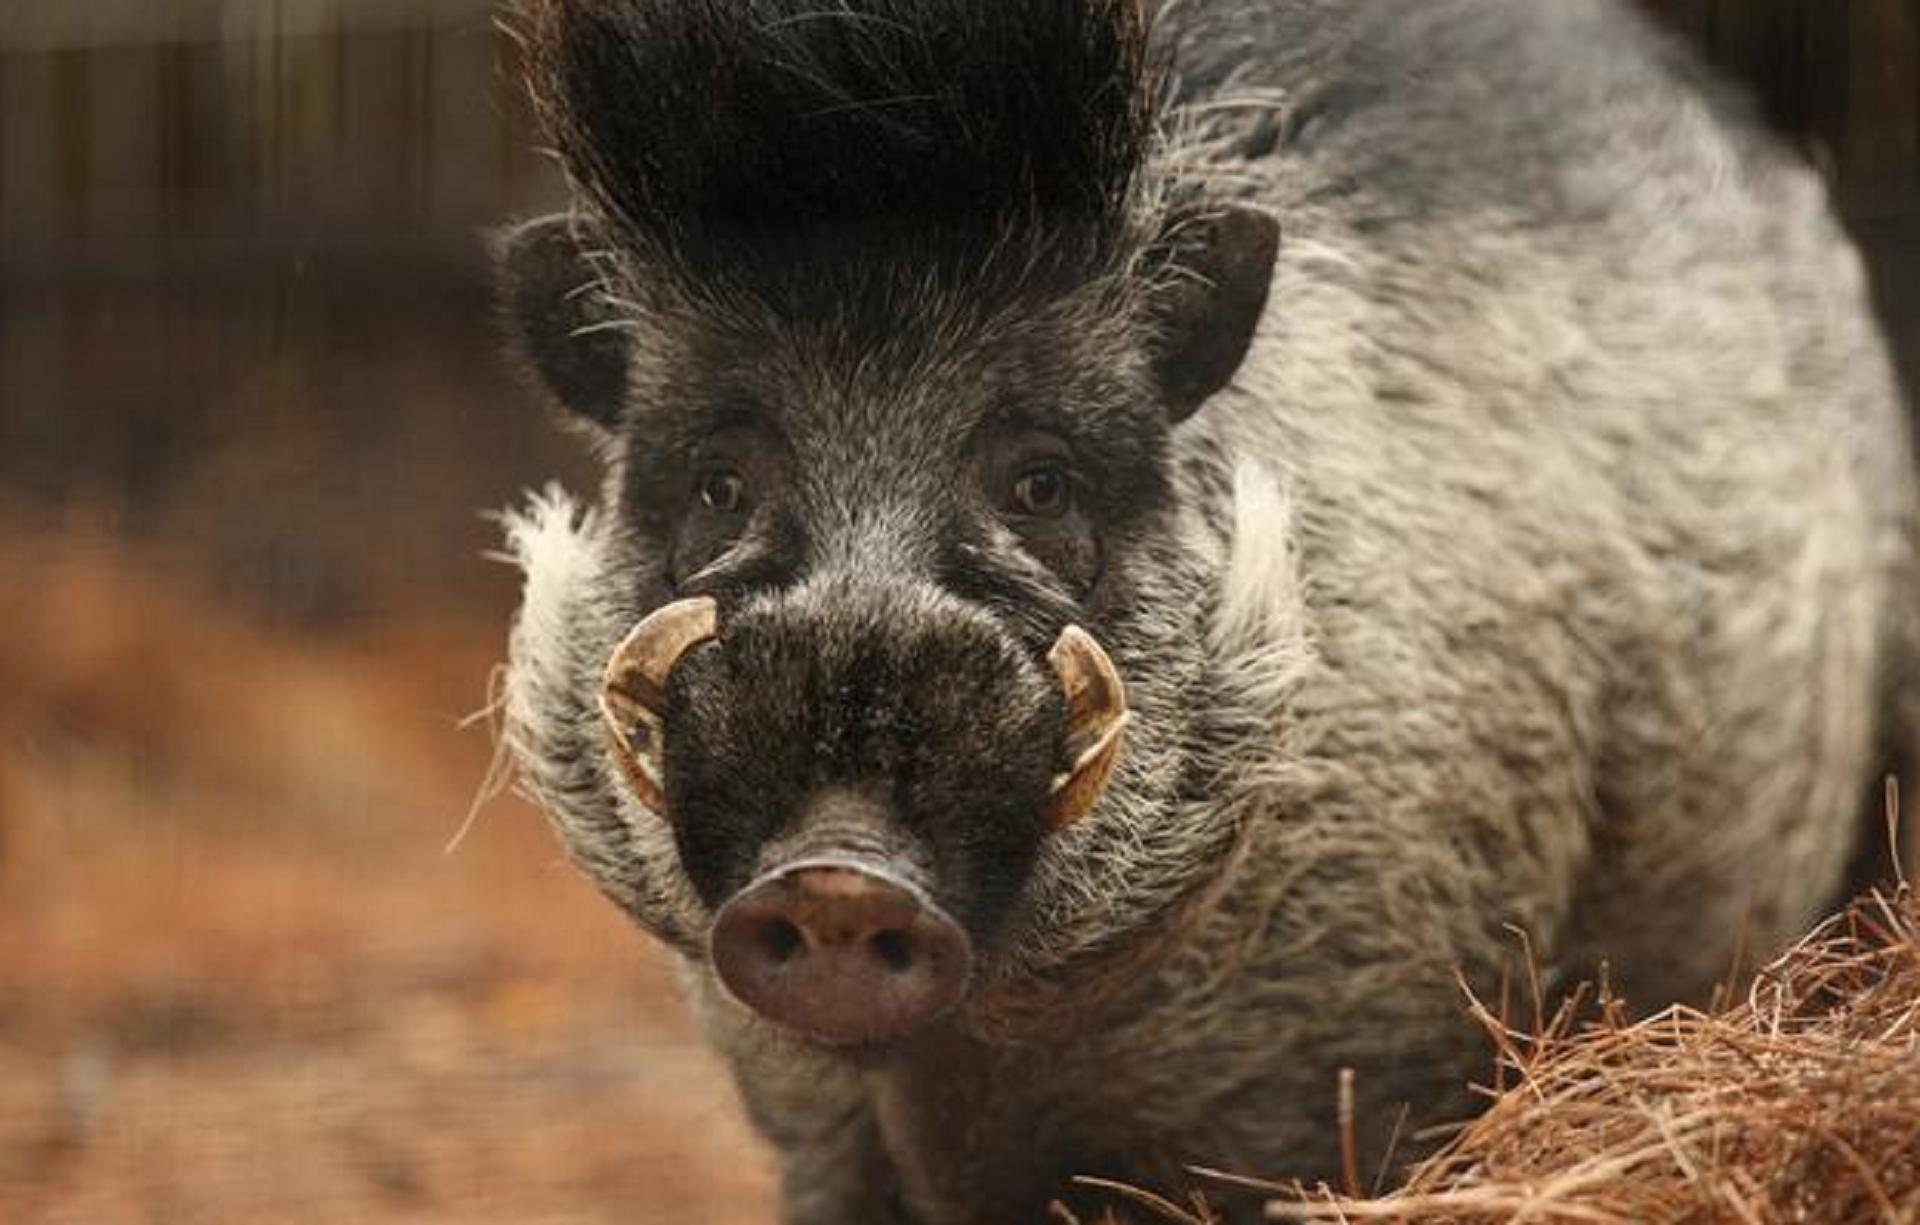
{"points": [[885, 142]]}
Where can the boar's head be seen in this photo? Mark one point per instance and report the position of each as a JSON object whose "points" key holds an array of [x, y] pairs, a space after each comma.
{"points": [[882, 326]]}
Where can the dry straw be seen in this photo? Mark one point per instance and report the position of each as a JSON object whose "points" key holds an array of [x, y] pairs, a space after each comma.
{"points": [[1799, 1104]]}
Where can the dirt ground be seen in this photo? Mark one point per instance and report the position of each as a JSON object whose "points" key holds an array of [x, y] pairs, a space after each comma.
{"points": [[241, 977]]}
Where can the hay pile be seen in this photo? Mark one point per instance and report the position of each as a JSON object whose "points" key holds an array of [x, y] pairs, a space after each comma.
{"points": [[1800, 1104]]}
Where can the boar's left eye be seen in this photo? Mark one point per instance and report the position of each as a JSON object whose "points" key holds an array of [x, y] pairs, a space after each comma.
{"points": [[1042, 491], [722, 490]]}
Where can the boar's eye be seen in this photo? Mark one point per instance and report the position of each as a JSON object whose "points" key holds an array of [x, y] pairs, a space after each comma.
{"points": [[1042, 491], [1030, 480], [722, 490]]}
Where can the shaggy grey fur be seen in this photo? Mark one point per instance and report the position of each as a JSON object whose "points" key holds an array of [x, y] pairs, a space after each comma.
{"points": [[1548, 563]]}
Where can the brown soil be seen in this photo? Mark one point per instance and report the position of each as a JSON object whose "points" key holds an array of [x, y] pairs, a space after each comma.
{"points": [[242, 980]]}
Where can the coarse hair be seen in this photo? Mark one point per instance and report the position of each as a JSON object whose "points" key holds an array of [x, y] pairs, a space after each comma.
{"points": [[814, 153]]}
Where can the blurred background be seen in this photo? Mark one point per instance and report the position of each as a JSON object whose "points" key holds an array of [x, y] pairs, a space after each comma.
{"points": [[251, 409]]}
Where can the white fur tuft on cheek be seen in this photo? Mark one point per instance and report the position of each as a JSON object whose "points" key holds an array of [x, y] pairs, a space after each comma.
{"points": [[553, 542], [1261, 597], [568, 623], [556, 545], [1262, 637]]}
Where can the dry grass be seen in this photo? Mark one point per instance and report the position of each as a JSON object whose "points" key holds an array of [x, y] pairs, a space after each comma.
{"points": [[1799, 1104]]}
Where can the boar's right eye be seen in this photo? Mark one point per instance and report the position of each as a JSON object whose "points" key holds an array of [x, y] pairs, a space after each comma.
{"points": [[722, 490], [1042, 491]]}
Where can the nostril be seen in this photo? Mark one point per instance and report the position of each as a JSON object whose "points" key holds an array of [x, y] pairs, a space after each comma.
{"points": [[780, 940], [894, 949]]}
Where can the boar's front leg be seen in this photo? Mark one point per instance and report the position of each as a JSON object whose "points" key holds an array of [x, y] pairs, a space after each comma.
{"points": [[834, 1169], [934, 1140], [840, 1176], [980, 1135]]}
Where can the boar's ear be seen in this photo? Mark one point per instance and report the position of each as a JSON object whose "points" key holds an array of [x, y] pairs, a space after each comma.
{"points": [[1221, 264], [561, 324]]}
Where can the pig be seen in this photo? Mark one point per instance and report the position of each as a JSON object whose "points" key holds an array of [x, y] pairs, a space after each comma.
{"points": [[1143, 548]]}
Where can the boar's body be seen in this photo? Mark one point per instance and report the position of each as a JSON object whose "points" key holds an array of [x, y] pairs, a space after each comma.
{"points": [[1546, 562]]}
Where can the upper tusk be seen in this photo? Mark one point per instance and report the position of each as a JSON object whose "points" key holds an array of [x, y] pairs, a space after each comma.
{"points": [[633, 691], [1097, 717]]}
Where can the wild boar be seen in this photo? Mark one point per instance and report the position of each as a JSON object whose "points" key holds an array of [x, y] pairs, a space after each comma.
{"points": [[1137, 544]]}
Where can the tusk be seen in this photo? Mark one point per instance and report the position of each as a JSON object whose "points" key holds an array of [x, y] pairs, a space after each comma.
{"points": [[1097, 718], [633, 692]]}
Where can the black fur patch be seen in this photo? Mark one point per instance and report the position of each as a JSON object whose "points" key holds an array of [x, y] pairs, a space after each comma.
{"points": [[815, 151]]}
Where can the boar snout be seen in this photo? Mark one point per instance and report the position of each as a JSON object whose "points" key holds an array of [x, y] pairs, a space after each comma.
{"points": [[841, 952], [858, 779]]}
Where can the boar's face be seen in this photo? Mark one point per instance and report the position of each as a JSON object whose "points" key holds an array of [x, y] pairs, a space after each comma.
{"points": [[883, 328], [894, 541], [861, 549], [861, 553]]}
